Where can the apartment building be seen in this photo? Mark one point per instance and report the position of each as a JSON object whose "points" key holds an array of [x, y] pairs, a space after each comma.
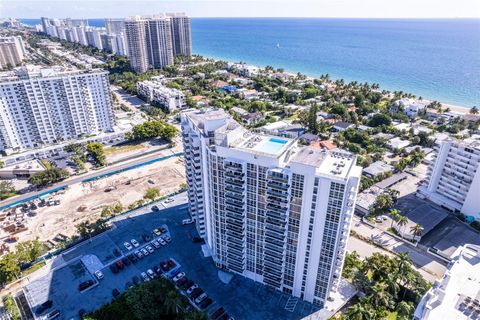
{"points": [[40, 106], [269, 210], [154, 41], [155, 92], [181, 36], [455, 296], [116, 26], [12, 51], [453, 178]]}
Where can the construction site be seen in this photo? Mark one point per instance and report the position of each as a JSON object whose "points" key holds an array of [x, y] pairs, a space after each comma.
{"points": [[53, 218]]}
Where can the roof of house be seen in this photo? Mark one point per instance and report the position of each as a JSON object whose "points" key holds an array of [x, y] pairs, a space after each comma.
{"points": [[218, 84], [309, 137], [377, 168], [324, 144], [343, 125]]}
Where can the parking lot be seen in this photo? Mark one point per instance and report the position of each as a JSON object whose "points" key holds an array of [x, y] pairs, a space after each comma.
{"points": [[241, 298]]}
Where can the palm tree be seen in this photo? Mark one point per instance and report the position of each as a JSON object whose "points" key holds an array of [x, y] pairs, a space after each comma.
{"points": [[416, 230], [474, 110], [359, 312], [172, 300], [402, 222], [380, 294], [405, 309], [394, 214], [404, 266]]}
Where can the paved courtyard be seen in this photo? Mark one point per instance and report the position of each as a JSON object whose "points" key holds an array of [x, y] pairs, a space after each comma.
{"points": [[242, 298]]}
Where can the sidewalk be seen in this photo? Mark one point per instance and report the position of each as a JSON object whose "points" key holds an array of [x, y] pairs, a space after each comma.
{"points": [[421, 260]]}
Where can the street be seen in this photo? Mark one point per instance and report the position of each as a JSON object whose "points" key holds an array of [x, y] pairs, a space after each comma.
{"points": [[90, 175]]}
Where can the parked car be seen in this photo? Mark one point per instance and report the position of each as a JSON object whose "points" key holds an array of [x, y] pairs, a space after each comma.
{"points": [[99, 274], [113, 268], [53, 315], [133, 258], [146, 237], [128, 285], [144, 251], [195, 293], [200, 298], [135, 280], [144, 276], [187, 221], [217, 313], [116, 252], [149, 249], [157, 232], [135, 243], [155, 208], [185, 284], [225, 316], [115, 293], [378, 219], [169, 200], [156, 244], [162, 242], [126, 261], [193, 287], [86, 284], [128, 246], [44, 307], [205, 303], [150, 273], [119, 264], [167, 239], [178, 276], [157, 270]]}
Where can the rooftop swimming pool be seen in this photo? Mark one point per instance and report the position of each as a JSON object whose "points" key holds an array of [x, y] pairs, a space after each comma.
{"points": [[271, 145]]}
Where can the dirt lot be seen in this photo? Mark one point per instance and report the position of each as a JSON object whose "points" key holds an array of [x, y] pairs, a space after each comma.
{"points": [[84, 202]]}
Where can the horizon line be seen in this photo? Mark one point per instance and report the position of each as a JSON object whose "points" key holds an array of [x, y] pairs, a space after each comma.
{"points": [[284, 17]]}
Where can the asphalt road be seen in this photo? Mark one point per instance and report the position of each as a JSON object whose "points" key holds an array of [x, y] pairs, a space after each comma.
{"points": [[78, 179]]}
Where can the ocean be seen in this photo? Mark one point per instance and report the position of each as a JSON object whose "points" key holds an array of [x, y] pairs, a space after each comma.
{"points": [[437, 58]]}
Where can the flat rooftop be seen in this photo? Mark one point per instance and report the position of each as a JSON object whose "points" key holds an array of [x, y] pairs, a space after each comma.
{"points": [[328, 163], [265, 144], [457, 294]]}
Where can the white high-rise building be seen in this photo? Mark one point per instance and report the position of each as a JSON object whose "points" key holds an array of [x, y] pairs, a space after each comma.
{"points": [[45, 106], [181, 36], [268, 209], [454, 177]]}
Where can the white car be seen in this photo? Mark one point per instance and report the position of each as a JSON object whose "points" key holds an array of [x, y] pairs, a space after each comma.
{"points": [[162, 242], [150, 273], [150, 249], [135, 243], [156, 244], [178, 276], [200, 298], [144, 276], [187, 221], [99, 274], [138, 254], [378, 219], [144, 251], [128, 246], [190, 290], [169, 200]]}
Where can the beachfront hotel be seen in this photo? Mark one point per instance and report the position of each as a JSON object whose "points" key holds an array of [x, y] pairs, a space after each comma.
{"points": [[154, 41], [268, 209], [40, 106], [453, 179]]}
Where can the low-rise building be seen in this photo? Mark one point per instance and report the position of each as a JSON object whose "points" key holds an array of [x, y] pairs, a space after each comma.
{"points": [[22, 170], [409, 106], [157, 93], [456, 295], [398, 143], [341, 126], [377, 168]]}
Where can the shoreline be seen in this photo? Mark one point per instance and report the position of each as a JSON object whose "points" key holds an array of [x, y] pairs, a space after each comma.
{"points": [[452, 106]]}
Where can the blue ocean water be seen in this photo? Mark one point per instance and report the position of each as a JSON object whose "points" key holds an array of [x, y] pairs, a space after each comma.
{"points": [[436, 59]]}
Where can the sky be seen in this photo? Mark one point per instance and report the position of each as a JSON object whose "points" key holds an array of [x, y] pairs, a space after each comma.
{"points": [[243, 8]]}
